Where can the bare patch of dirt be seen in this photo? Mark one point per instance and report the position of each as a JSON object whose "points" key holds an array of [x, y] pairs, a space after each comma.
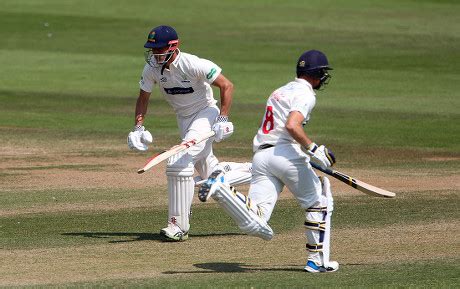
{"points": [[66, 166]]}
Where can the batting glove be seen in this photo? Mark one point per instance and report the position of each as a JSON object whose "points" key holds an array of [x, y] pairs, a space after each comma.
{"points": [[139, 138], [223, 128], [321, 155]]}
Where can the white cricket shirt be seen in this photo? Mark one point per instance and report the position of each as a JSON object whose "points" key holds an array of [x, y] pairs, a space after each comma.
{"points": [[297, 95], [185, 85]]}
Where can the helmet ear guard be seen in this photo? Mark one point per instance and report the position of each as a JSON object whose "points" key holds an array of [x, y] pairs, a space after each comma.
{"points": [[323, 76]]}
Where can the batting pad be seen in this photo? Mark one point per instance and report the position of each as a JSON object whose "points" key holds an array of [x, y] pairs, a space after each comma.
{"points": [[179, 171], [239, 207], [318, 226]]}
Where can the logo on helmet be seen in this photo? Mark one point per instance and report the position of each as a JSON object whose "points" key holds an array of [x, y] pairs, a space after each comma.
{"points": [[151, 37], [302, 63]]}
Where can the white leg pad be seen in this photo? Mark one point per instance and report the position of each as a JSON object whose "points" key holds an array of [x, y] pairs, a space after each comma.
{"points": [[318, 226], [239, 207], [235, 173], [179, 171]]}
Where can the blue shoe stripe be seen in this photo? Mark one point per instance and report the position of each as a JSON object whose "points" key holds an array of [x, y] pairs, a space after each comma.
{"points": [[313, 265]]}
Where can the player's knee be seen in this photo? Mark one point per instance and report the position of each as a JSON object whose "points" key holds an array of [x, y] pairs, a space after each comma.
{"points": [[258, 229], [180, 164]]}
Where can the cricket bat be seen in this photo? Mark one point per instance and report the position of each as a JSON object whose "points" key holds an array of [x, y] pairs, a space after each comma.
{"points": [[355, 183], [158, 158]]}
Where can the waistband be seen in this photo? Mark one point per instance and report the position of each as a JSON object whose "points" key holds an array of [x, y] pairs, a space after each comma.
{"points": [[265, 146]]}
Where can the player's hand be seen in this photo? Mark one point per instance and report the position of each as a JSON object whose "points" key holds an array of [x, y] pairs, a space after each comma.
{"points": [[223, 128], [139, 138], [321, 155]]}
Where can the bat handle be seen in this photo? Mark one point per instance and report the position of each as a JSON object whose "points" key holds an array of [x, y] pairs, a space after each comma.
{"points": [[319, 168]]}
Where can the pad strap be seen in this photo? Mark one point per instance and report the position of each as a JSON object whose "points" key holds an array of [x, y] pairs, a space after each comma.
{"points": [[316, 209], [314, 247], [317, 226]]}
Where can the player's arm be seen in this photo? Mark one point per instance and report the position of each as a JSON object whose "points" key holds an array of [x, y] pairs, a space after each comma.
{"points": [[223, 127], [320, 154], [141, 107], [295, 128], [226, 93], [139, 138]]}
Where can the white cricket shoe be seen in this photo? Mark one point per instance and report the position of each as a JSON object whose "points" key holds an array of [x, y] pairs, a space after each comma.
{"points": [[173, 233], [206, 190], [311, 267]]}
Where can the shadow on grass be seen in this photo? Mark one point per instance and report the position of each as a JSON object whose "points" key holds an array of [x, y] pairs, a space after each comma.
{"points": [[134, 237], [221, 267]]}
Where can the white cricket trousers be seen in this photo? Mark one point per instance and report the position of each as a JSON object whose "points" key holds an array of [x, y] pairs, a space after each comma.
{"points": [[283, 164], [193, 126]]}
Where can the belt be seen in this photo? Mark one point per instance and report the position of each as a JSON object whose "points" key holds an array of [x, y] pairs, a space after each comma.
{"points": [[265, 146]]}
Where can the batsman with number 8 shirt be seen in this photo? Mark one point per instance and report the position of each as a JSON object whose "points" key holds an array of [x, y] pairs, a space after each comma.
{"points": [[185, 81], [282, 154]]}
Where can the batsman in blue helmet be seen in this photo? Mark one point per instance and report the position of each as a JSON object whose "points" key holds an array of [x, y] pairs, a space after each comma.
{"points": [[282, 155], [185, 82]]}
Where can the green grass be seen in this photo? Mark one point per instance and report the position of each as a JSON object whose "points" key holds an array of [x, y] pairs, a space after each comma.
{"points": [[394, 81], [439, 274], [84, 228], [34, 230], [69, 81]]}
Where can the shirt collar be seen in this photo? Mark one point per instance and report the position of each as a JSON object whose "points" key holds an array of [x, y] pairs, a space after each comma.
{"points": [[306, 83], [303, 81], [176, 61]]}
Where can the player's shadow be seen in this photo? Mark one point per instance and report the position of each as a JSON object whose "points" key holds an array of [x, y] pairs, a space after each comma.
{"points": [[221, 267], [123, 237]]}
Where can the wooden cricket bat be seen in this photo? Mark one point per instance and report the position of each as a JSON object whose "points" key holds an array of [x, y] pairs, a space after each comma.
{"points": [[158, 158], [355, 183]]}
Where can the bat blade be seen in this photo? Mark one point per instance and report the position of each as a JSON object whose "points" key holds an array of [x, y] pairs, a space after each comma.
{"points": [[151, 162], [355, 183], [158, 158], [372, 190]]}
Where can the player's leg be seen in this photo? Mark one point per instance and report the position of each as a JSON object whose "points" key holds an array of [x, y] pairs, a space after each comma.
{"points": [[235, 173], [240, 208], [203, 157], [318, 232], [315, 197], [179, 171], [265, 187]]}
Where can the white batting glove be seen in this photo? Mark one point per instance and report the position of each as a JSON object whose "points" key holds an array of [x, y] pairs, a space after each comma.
{"points": [[321, 155], [139, 138], [223, 128]]}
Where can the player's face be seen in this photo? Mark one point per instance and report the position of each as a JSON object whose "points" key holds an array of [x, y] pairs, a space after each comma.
{"points": [[160, 54], [156, 57]]}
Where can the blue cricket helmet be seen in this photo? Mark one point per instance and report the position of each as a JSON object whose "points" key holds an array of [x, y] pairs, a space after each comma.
{"points": [[161, 36], [314, 64]]}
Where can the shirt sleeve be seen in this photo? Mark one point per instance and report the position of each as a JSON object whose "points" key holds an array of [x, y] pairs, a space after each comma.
{"points": [[303, 104], [147, 81], [206, 70]]}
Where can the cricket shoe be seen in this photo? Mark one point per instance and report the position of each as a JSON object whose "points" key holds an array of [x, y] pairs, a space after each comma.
{"points": [[311, 267], [173, 233], [207, 189]]}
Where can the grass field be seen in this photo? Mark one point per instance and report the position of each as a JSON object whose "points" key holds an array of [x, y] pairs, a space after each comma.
{"points": [[74, 213]]}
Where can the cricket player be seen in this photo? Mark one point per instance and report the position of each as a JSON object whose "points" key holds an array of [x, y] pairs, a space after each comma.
{"points": [[282, 152], [185, 81]]}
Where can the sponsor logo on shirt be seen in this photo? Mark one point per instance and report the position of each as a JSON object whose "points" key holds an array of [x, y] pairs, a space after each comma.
{"points": [[211, 73], [184, 78], [179, 90]]}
